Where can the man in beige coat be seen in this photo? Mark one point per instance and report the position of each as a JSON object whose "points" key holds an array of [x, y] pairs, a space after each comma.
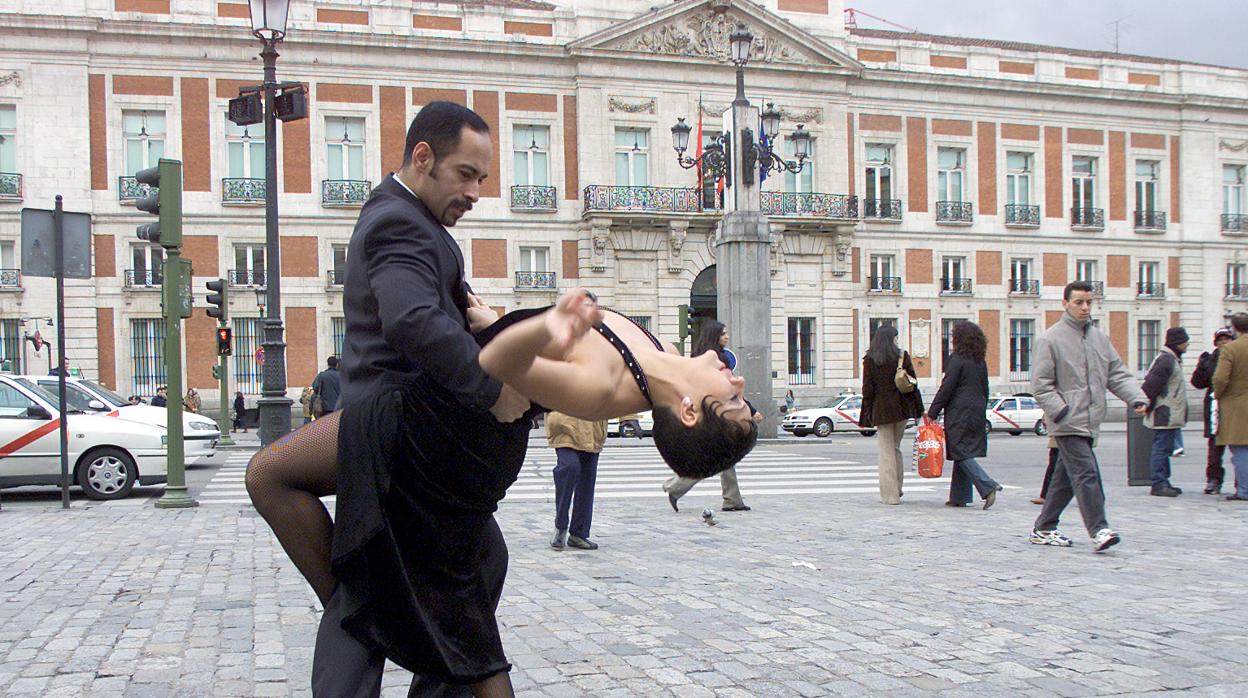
{"points": [[1230, 388], [577, 444]]}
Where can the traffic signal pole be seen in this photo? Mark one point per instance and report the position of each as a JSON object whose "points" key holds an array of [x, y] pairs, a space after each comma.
{"points": [[223, 418], [219, 308]]}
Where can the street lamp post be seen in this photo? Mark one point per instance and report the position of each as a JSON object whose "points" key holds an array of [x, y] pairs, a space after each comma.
{"points": [[743, 240]]}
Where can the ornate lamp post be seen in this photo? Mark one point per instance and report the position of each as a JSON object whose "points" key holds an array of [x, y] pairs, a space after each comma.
{"points": [[742, 240]]}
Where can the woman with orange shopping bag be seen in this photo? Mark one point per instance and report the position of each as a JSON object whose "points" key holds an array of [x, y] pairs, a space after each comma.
{"points": [[962, 396]]}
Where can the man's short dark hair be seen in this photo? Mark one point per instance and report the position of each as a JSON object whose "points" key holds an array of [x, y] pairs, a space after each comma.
{"points": [[332, 362], [709, 447], [1076, 286], [440, 124], [1240, 322]]}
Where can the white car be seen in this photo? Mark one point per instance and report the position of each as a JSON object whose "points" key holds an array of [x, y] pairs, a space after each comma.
{"points": [[841, 415], [107, 456], [199, 433], [645, 420], [1015, 414]]}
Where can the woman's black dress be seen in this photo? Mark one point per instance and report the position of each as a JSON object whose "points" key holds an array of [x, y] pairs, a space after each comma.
{"points": [[418, 555]]}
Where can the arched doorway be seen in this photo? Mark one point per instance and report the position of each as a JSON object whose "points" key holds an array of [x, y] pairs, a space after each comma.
{"points": [[703, 298]]}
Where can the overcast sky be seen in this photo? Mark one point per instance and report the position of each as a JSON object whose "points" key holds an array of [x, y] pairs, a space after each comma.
{"points": [[1203, 31]]}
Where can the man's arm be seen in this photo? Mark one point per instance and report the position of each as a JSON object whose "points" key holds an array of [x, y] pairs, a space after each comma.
{"points": [[404, 280], [1044, 383]]}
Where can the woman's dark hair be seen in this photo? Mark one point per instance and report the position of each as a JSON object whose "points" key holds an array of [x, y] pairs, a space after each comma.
{"points": [[969, 341], [708, 339], [709, 447], [884, 351], [440, 124]]}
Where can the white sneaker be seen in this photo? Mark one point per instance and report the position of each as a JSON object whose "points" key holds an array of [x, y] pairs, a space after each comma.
{"points": [[1177, 452], [1053, 537], [1104, 538]]}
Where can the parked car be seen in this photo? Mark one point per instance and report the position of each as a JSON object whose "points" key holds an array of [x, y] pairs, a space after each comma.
{"points": [[645, 420], [107, 456], [1015, 414], [841, 414], [199, 433]]}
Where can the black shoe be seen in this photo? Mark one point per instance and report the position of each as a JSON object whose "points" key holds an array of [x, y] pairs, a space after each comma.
{"points": [[557, 541], [955, 504], [740, 507], [671, 499], [1236, 498], [582, 543], [992, 497], [1165, 492], [1213, 487]]}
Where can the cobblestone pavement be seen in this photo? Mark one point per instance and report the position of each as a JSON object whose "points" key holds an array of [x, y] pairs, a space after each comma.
{"points": [[807, 595]]}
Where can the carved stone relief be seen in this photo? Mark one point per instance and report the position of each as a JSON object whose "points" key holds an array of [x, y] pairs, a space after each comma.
{"points": [[1234, 147], [705, 35], [620, 104], [677, 231], [777, 248], [599, 234]]}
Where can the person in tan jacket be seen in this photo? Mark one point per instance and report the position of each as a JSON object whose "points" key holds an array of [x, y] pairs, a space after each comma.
{"points": [[577, 444], [1230, 387]]}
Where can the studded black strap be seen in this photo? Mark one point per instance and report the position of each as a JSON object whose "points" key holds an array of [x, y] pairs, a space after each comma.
{"points": [[629, 360]]}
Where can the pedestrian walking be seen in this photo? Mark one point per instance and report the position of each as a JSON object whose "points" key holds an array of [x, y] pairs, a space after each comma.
{"points": [[577, 444], [240, 406], [1075, 363], [789, 401], [1167, 408], [1230, 388], [962, 395], [1048, 472], [191, 402], [161, 399], [326, 388], [890, 397], [305, 402], [1202, 379]]}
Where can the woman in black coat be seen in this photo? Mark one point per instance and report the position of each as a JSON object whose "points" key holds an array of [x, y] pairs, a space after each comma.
{"points": [[963, 397], [886, 408]]}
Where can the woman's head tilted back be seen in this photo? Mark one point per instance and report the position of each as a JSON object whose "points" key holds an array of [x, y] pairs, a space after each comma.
{"points": [[884, 349], [711, 426]]}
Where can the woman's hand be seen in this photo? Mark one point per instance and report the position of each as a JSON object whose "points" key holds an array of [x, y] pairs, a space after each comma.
{"points": [[573, 315], [480, 315]]}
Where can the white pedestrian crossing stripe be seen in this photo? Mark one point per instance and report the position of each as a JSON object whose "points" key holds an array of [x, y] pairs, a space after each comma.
{"points": [[228, 485]]}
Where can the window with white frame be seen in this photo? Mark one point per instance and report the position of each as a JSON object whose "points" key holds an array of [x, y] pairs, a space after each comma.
{"points": [[147, 262], [1018, 179], [147, 355], [1022, 334], [950, 174], [338, 332], [1148, 272], [882, 277], [953, 271], [801, 351], [875, 323], [1085, 270], [143, 137], [8, 138], [344, 148], [1020, 269], [1232, 190], [1148, 279], [533, 259], [802, 182], [946, 335], [1083, 182], [1147, 334], [8, 255], [11, 337], [339, 272], [632, 148], [530, 155], [247, 339], [244, 151], [1236, 280], [1146, 186], [248, 265], [879, 172]]}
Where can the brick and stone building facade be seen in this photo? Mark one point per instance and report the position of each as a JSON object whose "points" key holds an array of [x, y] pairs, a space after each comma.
{"points": [[952, 178]]}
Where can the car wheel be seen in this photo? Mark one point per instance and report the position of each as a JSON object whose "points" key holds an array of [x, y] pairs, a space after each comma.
{"points": [[107, 473], [868, 433], [626, 432], [988, 427], [1040, 429], [823, 427]]}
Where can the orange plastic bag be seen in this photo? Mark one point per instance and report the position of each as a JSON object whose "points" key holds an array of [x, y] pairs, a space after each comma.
{"points": [[929, 450]]}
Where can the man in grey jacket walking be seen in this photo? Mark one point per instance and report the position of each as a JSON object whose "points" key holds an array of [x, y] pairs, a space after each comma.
{"points": [[1075, 364]]}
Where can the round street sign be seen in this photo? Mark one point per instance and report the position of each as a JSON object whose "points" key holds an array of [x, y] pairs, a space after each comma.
{"points": [[260, 356]]}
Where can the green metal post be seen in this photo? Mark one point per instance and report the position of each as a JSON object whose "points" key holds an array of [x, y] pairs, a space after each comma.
{"points": [[223, 418]]}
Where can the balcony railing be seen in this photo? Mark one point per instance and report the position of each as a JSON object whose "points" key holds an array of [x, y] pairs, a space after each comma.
{"points": [[535, 280], [1150, 289], [10, 186], [129, 190], [345, 192], [240, 190], [599, 197], [336, 277], [955, 287], [1091, 218], [1234, 223], [10, 278], [1098, 288], [881, 209], [1237, 290], [884, 284], [246, 277], [1022, 216], [1020, 375], [527, 198], [1025, 287], [810, 204], [144, 279], [1150, 220], [955, 212]]}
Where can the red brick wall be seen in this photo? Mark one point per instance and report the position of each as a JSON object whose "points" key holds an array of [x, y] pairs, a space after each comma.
{"points": [[870, 55], [1053, 172], [1020, 132], [1174, 179], [302, 361], [196, 143], [434, 22], [879, 122], [988, 268], [987, 147], [203, 253], [1085, 136], [529, 28], [815, 7], [530, 101], [105, 256], [1083, 73], [1119, 333], [105, 338], [1118, 271], [1017, 67], [233, 9], [990, 323], [97, 118], [393, 127], [1117, 176], [1149, 141], [1174, 273], [916, 165], [1054, 270], [486, 104], [296, 157], [571, 173], [143, 85], [352, 94], [855, 265], [951, 127], [155, 7], [299, 256], [489, 259], [918, 266], [330, 16], [958, 62], [571, 261], [424, 95], [1143, 79], [201, 349], [1051, 317]]}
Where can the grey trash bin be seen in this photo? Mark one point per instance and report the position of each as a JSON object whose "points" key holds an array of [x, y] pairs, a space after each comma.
{"points": [[1139, 450]]}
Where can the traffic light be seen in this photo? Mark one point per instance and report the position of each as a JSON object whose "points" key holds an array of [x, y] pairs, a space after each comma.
{"points": [[224, 342], [164, 200], [216, 372], [684, 321], [219, 298]]}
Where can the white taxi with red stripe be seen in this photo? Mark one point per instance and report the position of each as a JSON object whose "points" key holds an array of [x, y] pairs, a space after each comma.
{"points": [[841, 415], [107, 456], [1015, 414]]}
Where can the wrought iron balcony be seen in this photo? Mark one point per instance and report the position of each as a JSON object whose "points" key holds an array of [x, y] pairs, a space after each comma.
{"points": [[345, 192], [1022, 216], [527, 198], [955, 212], [129, 190], [336, 277], [1150, 289], [599, 197], [884, 284], [246, 277], [955, 287], [1237, 290], [1150, 220], [10, 278], [881, 209], [1234, 223], [1020, 375], [1091, 218], [809, 204], [535, 281], [1098, 288], [240, 190], [1025, 287], [144, 279], [10, 186]]}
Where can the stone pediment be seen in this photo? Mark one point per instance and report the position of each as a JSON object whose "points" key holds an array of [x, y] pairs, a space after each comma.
{"points": [[700, 29]]}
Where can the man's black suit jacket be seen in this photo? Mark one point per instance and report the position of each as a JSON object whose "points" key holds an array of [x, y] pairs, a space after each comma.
{"points": [[405, 304]]}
